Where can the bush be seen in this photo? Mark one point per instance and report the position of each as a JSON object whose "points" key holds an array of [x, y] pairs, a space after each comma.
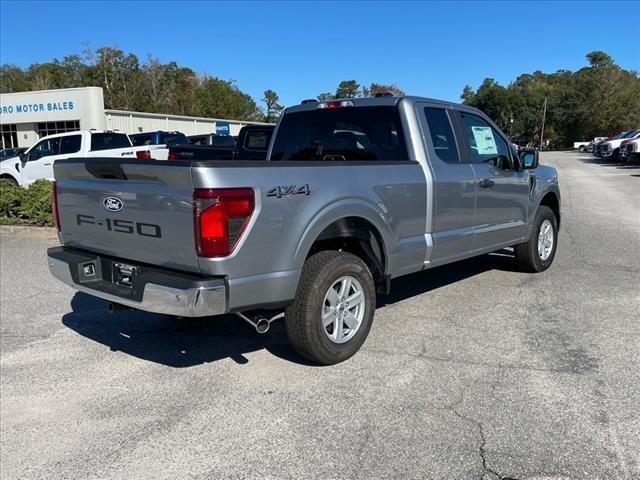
{"points": [[26, 205]]}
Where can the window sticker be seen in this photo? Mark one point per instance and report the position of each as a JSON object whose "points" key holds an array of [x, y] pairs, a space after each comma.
{"points": [[484, 140]]}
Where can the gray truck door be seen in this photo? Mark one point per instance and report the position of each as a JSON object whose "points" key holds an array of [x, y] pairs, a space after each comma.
{"points": [[502, 192], [454, 184]]}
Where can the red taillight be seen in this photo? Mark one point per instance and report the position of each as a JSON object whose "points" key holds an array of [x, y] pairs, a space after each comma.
{"points": [[54, 205], [173, 155], [143, 154], [220, 215], [335, 104]]}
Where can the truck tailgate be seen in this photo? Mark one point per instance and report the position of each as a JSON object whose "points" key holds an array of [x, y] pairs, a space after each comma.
{"points": [[141, 211]]}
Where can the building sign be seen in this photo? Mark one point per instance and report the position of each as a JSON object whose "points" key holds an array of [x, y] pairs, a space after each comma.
{"points": [[222, 128], [36, 107]]}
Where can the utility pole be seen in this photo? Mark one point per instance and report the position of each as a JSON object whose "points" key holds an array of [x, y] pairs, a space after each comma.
{"points": [[511, 127], [544, 115]]}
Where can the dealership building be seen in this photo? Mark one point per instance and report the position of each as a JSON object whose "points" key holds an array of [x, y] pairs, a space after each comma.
{"points": [[27, 116]]}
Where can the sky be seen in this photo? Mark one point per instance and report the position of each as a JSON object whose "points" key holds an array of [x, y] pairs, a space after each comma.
{"points": [[298, 49]]}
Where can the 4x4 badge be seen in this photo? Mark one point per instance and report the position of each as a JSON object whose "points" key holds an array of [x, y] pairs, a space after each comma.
{"points": [[282, 190]]}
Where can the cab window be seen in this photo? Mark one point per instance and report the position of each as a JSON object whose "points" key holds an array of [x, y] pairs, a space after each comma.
{"points": [[257, 140], [442, 137], [486, 145], [45, 148], [70, 144]]}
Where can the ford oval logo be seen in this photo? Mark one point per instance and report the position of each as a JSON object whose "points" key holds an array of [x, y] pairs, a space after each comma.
{"points": [[113, 204]]}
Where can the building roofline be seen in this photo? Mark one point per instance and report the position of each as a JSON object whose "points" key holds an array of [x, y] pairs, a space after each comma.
{"points": [[31, 92], [181, 117]]}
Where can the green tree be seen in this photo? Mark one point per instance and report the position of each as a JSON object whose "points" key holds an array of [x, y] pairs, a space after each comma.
{"points": [[374, 88], [600, 99], [348, 89], [273, 107], [599, 58]]}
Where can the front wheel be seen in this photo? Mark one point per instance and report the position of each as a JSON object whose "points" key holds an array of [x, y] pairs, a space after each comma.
{"points": [[333, 310], [537, 254]]}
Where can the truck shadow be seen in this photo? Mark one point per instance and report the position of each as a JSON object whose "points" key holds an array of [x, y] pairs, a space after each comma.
{"points": [[608, 163], [188, 342]]}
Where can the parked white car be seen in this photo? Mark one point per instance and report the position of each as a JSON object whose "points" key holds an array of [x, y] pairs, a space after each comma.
{"points": [[630, 151], [611, 148], [37, 162]]}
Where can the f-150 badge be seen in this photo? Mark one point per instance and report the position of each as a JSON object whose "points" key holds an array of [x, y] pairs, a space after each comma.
{"points": [[284, 190]]}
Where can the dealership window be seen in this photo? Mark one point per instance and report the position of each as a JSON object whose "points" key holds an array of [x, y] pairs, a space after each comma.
{"points": [[52, 128], [9, 136]]}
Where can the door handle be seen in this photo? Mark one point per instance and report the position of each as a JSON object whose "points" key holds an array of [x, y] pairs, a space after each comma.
{"points": [[47, 163], [486, 183]]}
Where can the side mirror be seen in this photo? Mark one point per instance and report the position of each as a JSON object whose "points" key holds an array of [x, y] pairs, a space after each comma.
{"points": [[529, 159]]}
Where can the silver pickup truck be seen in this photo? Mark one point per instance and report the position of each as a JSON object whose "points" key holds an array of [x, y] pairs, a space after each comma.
{"points": [[353, 193]]}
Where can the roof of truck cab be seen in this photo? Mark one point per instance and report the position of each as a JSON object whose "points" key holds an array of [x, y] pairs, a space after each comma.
{"points": [[375, 102]]}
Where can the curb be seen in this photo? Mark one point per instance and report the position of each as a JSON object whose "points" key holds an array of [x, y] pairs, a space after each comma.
{"points": [[26, 231]]}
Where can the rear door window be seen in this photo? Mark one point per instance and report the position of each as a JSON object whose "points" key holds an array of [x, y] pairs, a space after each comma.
{"points": [[107, 141], [442, 136], [341, 134], [70, 144]]}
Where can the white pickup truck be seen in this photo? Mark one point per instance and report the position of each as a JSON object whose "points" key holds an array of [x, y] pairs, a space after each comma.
{"points": [[37, 162]]}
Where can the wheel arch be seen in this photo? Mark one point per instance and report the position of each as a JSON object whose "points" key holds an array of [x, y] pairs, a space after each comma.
{"points": [[552, 201], [354, 230], [8, 176]]}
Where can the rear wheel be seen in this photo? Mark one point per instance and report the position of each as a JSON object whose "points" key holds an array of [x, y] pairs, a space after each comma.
{"points": [[9, 180], [333, 310], [537, 254]]}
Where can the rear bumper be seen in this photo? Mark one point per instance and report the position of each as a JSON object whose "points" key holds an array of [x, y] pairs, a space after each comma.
{"points": [[154, 290]]}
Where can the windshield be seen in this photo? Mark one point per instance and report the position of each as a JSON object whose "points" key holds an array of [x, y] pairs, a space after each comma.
{"points": [[621, 135], [347, 133], [107, 141]]}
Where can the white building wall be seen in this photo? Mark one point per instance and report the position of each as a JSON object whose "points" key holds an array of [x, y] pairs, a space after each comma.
{"points": [[136, 122], [86, 105], [27, 109]]}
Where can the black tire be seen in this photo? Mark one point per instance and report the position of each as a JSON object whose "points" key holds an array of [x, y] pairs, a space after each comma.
{"points": [[303, 319], [10, 180], [582, 148], [527, 256]]}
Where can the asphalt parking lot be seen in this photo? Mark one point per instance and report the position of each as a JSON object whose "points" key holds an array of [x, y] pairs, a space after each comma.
{"points": [[470, 371]]}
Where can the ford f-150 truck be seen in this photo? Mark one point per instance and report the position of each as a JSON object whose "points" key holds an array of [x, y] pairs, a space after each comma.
{"points": [[353, 194], [36, 163], [252, 144], [157, 143]]}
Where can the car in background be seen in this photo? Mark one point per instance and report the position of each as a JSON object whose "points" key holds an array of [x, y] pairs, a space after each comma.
{"points": [[158, 142], [10, 152], [580, 146], [36, 162], [252, 144], [630, 150], [592, 143], [212, 140], [610, 149]]}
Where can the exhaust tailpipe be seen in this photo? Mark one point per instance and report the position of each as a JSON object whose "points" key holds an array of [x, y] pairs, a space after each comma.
{"points": [[260, 323]]}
